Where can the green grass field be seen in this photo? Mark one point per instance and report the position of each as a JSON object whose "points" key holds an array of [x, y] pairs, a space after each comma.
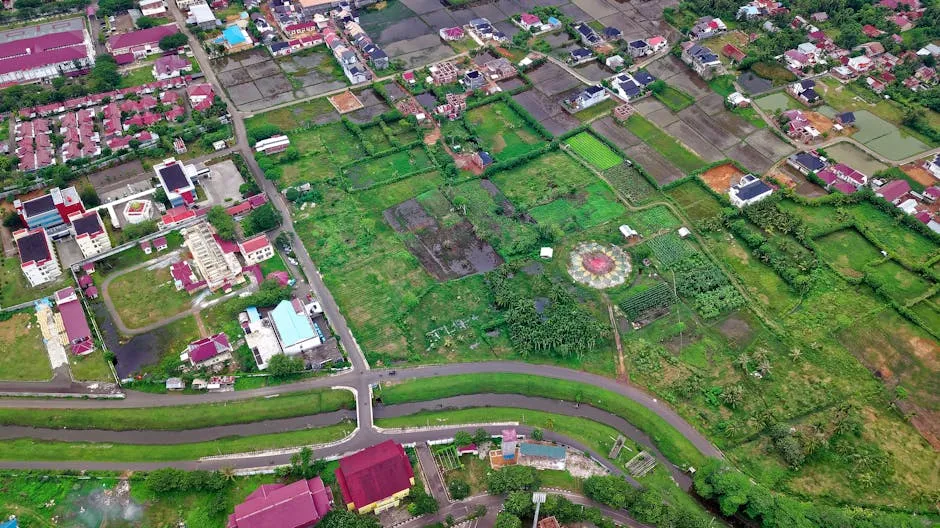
{"points": [[593, 206], [144, 296], [90, 367], [697, 203], [598, 110], [674, 99], [899, 283], [294, 116], [181, 417], [30, 449], [594, 151], [502, 132], [15, 290], [376, 171], [665, 144], [669, 441], [543, 179], [909, 245], [651, 221], [24, 355], [847, 251]]}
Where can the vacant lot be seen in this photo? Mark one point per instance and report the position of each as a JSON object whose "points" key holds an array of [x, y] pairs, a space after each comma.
{"points": [[388, 168], [24, 355], [593, 206], [502, 131], [695, 201], [721, 178], [145, 296], [847, 251], [295, 116], [900, 284], [555, 172]]}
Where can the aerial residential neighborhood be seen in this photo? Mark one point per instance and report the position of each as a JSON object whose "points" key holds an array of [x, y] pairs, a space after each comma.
{"points": [[427, 264]]}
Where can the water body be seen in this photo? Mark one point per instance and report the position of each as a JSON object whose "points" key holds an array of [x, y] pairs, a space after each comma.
{"points": [[139, 351]]}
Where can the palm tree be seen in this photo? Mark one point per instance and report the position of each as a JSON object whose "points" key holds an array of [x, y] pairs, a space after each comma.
{"points": [[743, 361], [229, 473], [764, 367], [796, 354]]}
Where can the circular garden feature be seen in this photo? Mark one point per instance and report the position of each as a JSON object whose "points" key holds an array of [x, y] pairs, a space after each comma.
{"points": [[599, 266]]}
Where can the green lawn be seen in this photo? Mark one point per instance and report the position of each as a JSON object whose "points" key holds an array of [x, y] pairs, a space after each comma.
{"points": [[502, 132], [90, 367], [674, 99], [181, 417], [593, 112], [669, 441], [275, 263], [15, 290], [144, 296], [30, 449], [899, 283], [908, 244], [650, 221], [847, 251], [293, 116], [543, 179], [24, 356], [138, 76], [665, 144], [594, 151]]}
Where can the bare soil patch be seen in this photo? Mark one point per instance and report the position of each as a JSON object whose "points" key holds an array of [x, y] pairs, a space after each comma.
{"points": [[345, 102], [917, 172], [719, 178], [822, 123]]}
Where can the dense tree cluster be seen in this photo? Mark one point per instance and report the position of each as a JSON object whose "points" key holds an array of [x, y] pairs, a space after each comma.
{"points": [[512, 478], [223, 222]]}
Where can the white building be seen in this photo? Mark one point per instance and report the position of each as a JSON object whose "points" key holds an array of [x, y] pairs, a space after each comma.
{"points": [[218, 268], [45, 51], [153, 8], [273, 144], [37, 256], [750, 189], [256, 249], [89, 233]]}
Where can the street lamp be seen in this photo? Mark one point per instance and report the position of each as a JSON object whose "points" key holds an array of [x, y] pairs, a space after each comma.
{"points": [[538, 498]]}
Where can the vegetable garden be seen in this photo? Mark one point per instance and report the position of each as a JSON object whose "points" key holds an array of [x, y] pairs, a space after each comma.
{"points": [[594, 151]]}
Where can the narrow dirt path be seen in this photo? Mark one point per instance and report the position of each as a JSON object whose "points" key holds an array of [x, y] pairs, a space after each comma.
{"points": [[621, 365], [200, 324]]}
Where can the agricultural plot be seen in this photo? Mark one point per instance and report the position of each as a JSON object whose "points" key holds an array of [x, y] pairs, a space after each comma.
{"points": [[594, 151], [899, 283], [674, 99], [503, 132], [697, 203], [664, 143], [908, 244], [652, 299], [387, 168], [648, 222], [626, 179], [669, 249], [494, 217], [847, 251], [595, 205], [543, 179], [323, 150]]}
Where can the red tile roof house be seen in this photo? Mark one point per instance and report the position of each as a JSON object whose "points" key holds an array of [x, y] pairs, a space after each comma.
{"points": [[299, 505], [141, 43], [376, 478], [893, 191], [74, 322], [170, 66], [200, 96], [256, 249], [208, 351], [527, 21], [871, 31], [185, 278]]}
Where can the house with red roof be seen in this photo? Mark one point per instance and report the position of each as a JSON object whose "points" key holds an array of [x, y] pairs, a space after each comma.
{"points": [[376, 478], [175, 216], [208, 351], [170, 66], [256, 249], [893, 191], [932, 194], [184, 278], [527, 21], [239, 209], [732, 52], [871, 31], [142, 42], [200, 96], [77, 335], [301, 504], [904, 23], [45, 51]]}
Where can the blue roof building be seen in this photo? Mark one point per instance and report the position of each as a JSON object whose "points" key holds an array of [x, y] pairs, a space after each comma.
{"points": [[294, 328]]}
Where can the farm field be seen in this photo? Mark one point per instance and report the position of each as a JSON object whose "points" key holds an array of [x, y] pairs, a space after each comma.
{"points": [[900, 284], [847, 251], [594, 151], [593, 206], [674, 98], [695, 201], [543, 179], [665, 144], [387, 168], [627, 180]]}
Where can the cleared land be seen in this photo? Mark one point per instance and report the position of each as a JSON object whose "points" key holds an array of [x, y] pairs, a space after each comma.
{"points": [[502, 131], [145, 296], [24, 356]]}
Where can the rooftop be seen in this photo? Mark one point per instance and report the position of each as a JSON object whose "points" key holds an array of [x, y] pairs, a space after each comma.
{"points": [[33, 247], [291, 326], [87, 224], [375, 473], [298, 505]]}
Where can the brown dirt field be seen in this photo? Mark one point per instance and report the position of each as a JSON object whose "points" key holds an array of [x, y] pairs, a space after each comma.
{"points": [[463, 162], [345, 102], [822, 123], [719, 178], [919, 173], [432, 136]]}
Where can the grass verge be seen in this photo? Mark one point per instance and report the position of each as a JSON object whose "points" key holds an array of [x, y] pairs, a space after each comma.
{"points": [[182, 417], [672, 444]]}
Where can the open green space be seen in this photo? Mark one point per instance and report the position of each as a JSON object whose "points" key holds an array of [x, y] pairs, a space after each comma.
{"points": [[628, 181], [653, 220], [90, 367], [493, 217], [899, 283], [667, 439], [146, 296], [594, 151], [906, 243], [30, 449], [138, 76], [595, 111], [543, 179], [181, 417], [594, 205], [847, 251], [503, 132], [665, 144], [394, 166], [294, 116], [14, 289], [24, 356], [674, 99]]}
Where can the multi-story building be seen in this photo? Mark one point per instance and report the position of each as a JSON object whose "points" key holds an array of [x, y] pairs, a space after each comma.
{"points": [[37, 256], [256, 249], [50, 210], [176, 180], [45, 51], [75, 331], [90, 233], [218, 268], [702, 60], [749, 189]]}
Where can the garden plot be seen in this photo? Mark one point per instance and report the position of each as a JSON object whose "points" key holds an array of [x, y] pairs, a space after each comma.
{"points": [[847, 251], [594, 151], [446, 251], [324, 150], [630, 183], [543, 179], [502, 131], [697, 203], [494, 217], [584, 209], [651, 221]]}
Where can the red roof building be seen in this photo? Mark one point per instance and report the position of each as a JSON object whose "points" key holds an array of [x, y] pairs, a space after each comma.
{"points": [[176, 215], [44, 51], [74, 322], [893, 190], [209, 351], [376, 478], [299, 505], [141, 43], [732, 52], [871, 31]]}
